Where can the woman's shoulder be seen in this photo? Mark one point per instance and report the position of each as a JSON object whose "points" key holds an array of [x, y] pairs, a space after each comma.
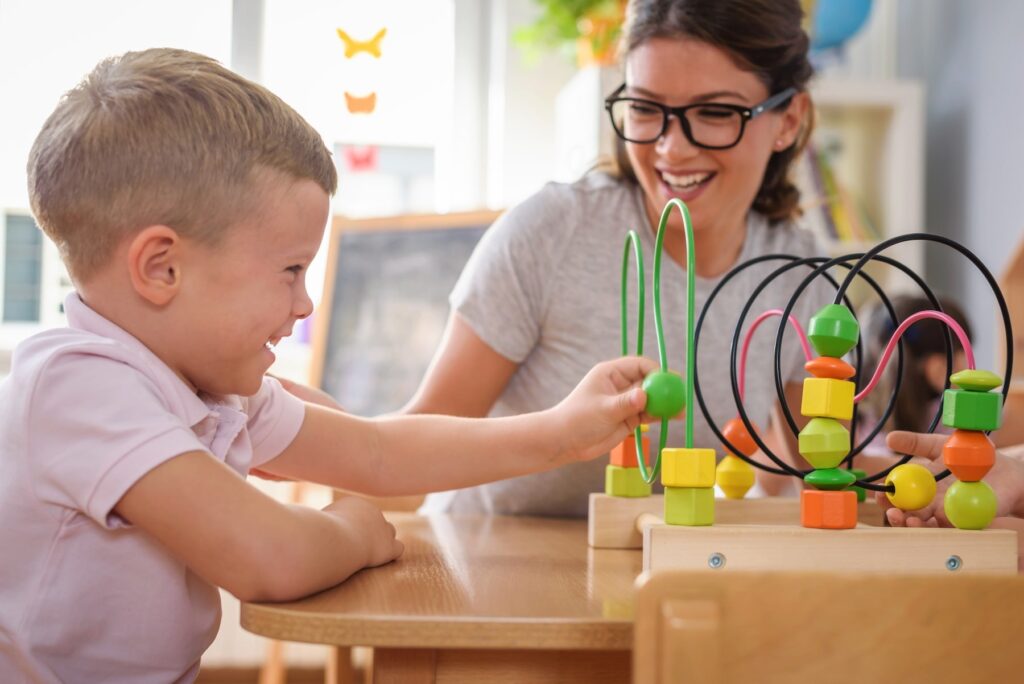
{"points": [[783, 237], [558, 209]]}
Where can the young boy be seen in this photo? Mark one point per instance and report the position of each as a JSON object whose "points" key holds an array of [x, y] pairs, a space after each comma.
{"points": [[187, 203]]}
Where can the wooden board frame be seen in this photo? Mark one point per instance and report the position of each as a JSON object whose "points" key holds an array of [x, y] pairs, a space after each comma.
{"points": [[720, 548], [612, 520], [341, 225]]}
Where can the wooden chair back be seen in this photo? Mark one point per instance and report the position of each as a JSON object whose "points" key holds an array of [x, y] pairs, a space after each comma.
{"points": [[722, 627]]}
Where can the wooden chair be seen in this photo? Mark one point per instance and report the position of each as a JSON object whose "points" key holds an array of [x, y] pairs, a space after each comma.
{"points": [[721, 627]]}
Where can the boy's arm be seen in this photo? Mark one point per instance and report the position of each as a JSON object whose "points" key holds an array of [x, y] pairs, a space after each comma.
{"points": [[401, 455], [234, 536]]}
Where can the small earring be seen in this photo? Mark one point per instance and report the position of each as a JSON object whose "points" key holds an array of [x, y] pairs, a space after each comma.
{"points": [[779, 144]]}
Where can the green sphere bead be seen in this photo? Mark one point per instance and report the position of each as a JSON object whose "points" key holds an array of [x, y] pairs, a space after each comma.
{"points": [[666, 394], [970, 505], [915, 486]]}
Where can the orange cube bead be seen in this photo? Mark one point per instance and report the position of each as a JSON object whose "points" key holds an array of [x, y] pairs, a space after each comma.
{"points": [[624, 455], [738, 435], [828, 510], [969, 455]]}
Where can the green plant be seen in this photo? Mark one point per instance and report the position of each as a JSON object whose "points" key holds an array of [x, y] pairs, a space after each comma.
{"points": [[563, 23]]}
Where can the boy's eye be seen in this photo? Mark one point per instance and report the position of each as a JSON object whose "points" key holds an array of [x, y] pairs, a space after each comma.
{"points": [[296, 269]]}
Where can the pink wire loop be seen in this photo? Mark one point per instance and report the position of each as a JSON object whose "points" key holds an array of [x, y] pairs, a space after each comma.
{"points": [[770, 313], [909, 321]]}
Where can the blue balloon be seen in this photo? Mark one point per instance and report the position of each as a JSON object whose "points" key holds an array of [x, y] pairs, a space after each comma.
{"points": [[835, 21]]}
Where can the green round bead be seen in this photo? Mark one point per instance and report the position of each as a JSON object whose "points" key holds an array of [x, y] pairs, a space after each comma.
{"points": [[976, 380], [830, 478], [666, 394], [833, 331], [970, 505]]}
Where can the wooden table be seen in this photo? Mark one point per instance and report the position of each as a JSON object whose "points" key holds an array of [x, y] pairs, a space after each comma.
{"points": [[478, 599]]}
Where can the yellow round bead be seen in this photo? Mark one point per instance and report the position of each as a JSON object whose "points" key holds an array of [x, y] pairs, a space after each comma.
{"points": [[915, 486], [734, 476]]}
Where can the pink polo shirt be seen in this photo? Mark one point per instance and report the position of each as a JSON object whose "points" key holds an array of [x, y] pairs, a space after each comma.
{"points": [[85, 413]]}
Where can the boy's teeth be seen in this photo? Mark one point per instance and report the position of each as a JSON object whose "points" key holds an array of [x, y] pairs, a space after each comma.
{"points": [[685, 181]]}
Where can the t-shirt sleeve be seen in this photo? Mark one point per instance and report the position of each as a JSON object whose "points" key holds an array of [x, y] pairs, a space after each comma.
{"points": [[96, 425], [502, 292], [275, 418]]}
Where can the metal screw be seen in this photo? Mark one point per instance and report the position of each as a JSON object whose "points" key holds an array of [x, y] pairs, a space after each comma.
{"points": [[954, 563], [716, 561]]}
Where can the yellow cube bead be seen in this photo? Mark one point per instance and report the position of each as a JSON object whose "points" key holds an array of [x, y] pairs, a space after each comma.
{"points": [[827, 398], [734, 476], [688, 467], [690, 506], [627, 482]]}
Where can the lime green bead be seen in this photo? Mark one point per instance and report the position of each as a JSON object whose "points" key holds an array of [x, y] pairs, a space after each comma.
{"points": [[626, 482], [824, 442], [666, 394], [691, 506], [830, 478], [915, 486], [833, 331], [970, 505], [861, 492], [967, 410], [976, 380]]}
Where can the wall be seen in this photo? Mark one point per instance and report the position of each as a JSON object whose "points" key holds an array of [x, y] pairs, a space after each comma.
{"points": [[968, 54]]}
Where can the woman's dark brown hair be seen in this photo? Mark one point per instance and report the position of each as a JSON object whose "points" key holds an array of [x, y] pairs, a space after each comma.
{"points": [[764, 37]]}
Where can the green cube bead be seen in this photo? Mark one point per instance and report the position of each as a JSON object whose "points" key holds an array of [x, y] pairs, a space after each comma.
{"points": [[830, 479], [833, 331], [861, 492], [824, 442], [690, 506], [967, 410], [627, 482]]}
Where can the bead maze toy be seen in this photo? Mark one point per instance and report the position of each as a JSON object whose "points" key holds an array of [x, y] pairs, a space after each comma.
{"points": [[827, 529]]}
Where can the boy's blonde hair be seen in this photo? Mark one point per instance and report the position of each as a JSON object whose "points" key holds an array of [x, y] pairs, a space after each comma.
{"points": [[162, 137]]}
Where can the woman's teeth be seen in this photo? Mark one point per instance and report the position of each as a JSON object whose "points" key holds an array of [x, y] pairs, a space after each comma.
{"points": [[686, 181]]}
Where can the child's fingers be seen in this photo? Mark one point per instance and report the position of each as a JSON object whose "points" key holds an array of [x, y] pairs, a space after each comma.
{"points": [[916, 444]]}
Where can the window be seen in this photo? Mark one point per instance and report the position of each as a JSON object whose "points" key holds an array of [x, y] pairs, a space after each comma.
{"points": [[23, 270]]}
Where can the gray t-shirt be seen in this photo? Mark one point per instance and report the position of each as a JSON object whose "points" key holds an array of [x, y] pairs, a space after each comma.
{"points": [[542, 288]]}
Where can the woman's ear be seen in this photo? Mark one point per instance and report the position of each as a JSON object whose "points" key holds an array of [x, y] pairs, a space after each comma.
{"points": [[794, 118], [154, 264]]}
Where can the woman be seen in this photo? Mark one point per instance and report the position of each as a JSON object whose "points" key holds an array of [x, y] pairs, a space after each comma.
{"points": [[713, 111]]}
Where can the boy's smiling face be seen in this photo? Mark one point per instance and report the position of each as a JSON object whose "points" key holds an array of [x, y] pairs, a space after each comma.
{"points": [[242, 296]]}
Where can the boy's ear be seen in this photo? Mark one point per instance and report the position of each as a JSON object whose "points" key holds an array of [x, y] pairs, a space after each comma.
{"points": [[154, 264]]}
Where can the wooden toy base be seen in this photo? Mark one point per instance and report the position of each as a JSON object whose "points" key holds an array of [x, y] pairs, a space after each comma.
{"points": [[733, 547], [612, 520]]}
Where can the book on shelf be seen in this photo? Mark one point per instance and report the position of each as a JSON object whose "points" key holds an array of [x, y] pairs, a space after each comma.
{"points": [[830, 209]]}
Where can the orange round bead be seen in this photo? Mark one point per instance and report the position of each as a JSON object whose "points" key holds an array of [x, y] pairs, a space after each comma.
{"points": [[738, 435], [829, 367], [969, 455]]}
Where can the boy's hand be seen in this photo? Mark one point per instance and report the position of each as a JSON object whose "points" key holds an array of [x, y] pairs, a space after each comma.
{"points": [[605, 407], [376, 533], [1006, 479]]}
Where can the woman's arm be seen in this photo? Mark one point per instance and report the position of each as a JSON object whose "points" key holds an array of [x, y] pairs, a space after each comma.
{"points": [[465, 377], [784, 445]]}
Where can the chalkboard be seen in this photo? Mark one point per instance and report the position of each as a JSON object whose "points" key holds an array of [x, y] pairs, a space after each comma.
{"points": [[385, 304]]}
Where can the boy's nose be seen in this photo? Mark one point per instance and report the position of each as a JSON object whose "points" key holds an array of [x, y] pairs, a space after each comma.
{"points": [[303, 305]]}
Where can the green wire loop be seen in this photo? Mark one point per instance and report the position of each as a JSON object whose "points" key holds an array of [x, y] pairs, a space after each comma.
{"points": [[633, 244]]}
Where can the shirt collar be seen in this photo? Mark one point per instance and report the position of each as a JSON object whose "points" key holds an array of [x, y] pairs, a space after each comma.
{"points": [[188, 404]]}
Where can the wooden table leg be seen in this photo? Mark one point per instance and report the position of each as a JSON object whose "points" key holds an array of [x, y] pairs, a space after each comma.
{"points": [[471, 666]]}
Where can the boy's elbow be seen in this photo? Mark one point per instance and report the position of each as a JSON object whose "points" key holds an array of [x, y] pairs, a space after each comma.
{"points": [[268, 574]]}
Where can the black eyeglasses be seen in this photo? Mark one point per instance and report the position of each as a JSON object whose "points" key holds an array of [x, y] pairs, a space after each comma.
{"points": [[711, 125]]}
